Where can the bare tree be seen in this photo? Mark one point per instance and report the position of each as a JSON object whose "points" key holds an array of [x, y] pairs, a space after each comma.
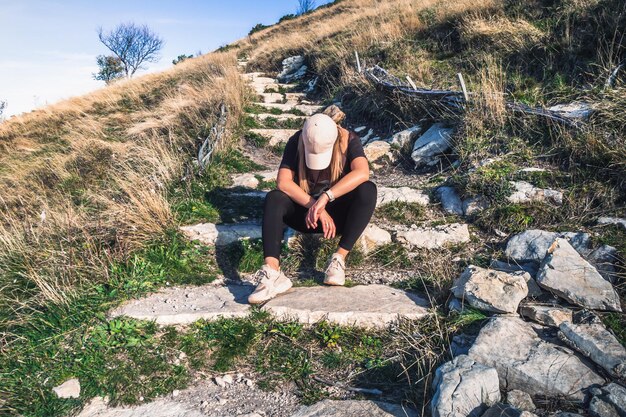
{"points": [[3, 106], [305, 6], [134, 45]]}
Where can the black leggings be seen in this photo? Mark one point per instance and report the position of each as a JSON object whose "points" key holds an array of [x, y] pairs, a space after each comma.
{"points": [[350, 212]]}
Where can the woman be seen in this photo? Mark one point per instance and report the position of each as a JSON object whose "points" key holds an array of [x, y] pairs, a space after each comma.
{"points": [[322, 187]]}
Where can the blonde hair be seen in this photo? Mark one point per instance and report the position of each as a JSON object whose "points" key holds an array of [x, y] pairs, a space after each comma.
{"points": [[337, 161]]}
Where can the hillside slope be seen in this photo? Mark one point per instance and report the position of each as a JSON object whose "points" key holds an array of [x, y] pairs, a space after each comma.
{"points": [[93, 191]]}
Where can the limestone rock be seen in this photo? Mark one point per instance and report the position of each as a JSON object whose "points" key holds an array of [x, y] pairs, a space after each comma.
{"points": [[272, 97], [245, 180], [575, 110], [475, 205], [250, 180], [530, 358], [354, 408], [68, 389], [605, 258], [401, 194], [609, 402], [307, 109], [463, 388], [293, 69], [404, 138], [520, 400], [461, 344], [612, 220], [597, 343], [221, 234], [490, 290], [450, 200], [504, 410], [533, 289], [565, 273], [363, 305], [435, 237], [546, 315], [532, 245], [161, 407], [377, 150], [428, 148], [528, 193], [373, 237], [184, 305]]}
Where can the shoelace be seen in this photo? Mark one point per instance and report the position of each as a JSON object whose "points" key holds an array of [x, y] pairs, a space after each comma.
{"points": [[335, 263], [258, 276]]}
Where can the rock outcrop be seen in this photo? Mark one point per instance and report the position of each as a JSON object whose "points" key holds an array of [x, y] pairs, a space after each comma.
{"points": [[464, 388], [531, 358], [597, 343], [565, 273], [428, 148], [546, 315], [490, 290]]}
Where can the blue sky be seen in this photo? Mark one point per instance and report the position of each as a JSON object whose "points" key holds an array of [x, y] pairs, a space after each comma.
{"points": [[48, 48]]}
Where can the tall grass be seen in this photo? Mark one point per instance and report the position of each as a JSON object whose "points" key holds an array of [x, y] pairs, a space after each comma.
{"points": [[85, 182]]}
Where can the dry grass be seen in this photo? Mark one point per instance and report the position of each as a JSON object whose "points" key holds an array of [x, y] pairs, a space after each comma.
{"points": [[85, 181], [499, 33]]}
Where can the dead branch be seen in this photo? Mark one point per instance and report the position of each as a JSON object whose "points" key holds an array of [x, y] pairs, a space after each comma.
{"points": [[610, 82], [454, 100], [213, 141]]}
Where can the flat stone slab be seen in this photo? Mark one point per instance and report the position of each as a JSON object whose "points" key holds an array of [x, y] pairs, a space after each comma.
{"points": [[275, 136], [307, 109], [280, 117], [251, 180], [388, 195], [221, 234], [354, 408], [435, 237], [161, 407], [363, 305], [185, 305]]}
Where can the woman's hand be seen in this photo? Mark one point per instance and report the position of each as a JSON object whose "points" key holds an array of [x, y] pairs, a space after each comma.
{"points": [[315, 211], [328, 225]]}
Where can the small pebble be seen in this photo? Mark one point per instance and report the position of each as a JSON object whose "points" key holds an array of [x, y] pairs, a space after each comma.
{"points": [[175, 393]]}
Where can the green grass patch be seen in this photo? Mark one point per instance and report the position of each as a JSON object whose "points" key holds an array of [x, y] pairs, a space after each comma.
{"points": [[256, 139], [402, 213], [391, 255]]}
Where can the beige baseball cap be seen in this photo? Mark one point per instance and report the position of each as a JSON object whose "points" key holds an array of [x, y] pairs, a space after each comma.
{"points": [[319, 135]]}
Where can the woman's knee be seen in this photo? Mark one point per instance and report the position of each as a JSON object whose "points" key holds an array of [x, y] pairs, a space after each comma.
{"points": [[277, 199], [366, 191]]}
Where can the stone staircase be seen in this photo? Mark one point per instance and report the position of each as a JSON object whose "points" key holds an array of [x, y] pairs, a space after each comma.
{"points": [[540, 267]]}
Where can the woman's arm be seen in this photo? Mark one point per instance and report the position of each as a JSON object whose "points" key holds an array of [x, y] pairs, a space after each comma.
{"points": [[360, 173], [285, 183]]}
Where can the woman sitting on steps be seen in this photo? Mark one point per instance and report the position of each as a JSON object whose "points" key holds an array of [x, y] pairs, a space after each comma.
{"points": [[322, 187]]}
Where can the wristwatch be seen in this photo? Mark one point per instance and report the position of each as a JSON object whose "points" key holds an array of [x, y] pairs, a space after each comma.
{"points": [[331, 196]]}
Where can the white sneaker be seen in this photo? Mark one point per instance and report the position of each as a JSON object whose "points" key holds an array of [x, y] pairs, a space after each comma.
{"points": [[271, 283], [335, 271]]}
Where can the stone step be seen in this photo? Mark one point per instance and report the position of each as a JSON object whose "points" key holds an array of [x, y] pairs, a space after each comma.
{"points": [[435, 237], [279, 117], [272, 97], [278, 86], [307, 109], [221, 234], [388, 195], [353, 408], [185, 305], [362, 305], [251, 180], [275, 136]]}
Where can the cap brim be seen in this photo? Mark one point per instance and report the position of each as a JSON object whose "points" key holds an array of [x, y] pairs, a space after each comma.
{"points": [[318, 161]]}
